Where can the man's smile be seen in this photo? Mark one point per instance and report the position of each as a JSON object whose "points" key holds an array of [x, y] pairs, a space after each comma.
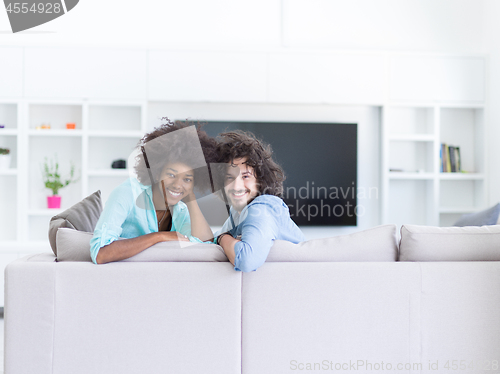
{"points": [[239, 194]]}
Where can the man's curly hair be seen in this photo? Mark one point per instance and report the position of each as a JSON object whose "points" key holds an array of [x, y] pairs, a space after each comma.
{"points": [[239, 144], [168, 149]]}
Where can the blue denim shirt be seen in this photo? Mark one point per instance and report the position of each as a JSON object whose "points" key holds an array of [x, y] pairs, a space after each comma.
{"points": [[265, 219], [130, 212]]}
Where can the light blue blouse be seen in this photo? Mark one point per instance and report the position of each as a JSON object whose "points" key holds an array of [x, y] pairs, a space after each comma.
{"points": [[130, 212]]}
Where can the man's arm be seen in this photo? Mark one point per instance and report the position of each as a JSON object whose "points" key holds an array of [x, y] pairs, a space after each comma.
{"points": [[227, 242], [258, 231]]}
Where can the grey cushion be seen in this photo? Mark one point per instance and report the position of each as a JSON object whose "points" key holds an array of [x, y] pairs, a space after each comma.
{"points": [[426, 243], [82, 216], [375, 244], [488, 216], [75, 246]]}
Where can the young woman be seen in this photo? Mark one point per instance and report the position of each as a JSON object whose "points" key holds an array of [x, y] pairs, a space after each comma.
{"points": [[160, 204]]}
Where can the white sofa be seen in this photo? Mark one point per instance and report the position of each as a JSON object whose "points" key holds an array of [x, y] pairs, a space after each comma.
{"points": [[289, 316]]}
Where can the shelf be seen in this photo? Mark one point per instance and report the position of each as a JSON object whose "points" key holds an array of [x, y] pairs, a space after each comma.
{"points": [[412, 137], [418, 176], [108, 173], [51, 132], [410, 120], [8, 172], [114, 134], [44, 212], [9, 132], [461, 176]]}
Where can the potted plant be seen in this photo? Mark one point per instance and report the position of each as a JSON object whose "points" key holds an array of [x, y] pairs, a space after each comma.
{"points": [[53, 181], [4, 158]]}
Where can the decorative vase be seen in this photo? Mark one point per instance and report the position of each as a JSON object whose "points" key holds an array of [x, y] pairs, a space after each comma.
{"points": [[54, 202], [4, 162]]}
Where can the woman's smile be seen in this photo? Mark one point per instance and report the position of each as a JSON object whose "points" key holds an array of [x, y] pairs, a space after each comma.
{"points": [[174, 193]]}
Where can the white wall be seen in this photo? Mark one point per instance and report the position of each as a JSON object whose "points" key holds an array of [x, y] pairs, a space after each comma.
{"points": [[424, 25], [428, 25], [463, 26], [492, 47]]}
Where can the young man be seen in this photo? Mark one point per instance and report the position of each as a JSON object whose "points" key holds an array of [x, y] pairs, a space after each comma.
{"points": [[253, 184]]}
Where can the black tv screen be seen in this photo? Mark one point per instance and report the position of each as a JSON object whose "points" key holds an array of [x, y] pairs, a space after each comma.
{"points": [[320, 165]]}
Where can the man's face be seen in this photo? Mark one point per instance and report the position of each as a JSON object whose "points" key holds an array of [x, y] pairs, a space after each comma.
{"points": [[240, 184]]}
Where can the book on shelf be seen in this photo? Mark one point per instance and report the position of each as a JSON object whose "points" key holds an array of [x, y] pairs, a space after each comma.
{"points": [[450, 159]]}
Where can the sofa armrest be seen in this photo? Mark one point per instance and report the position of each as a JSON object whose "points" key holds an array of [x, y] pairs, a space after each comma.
{"points": [[122, 317], [29, 313]]}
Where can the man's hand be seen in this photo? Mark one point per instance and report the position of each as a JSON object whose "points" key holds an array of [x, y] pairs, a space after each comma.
{"points": [[227, 242]]}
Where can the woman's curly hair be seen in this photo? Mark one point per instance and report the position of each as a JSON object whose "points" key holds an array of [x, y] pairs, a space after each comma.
{"points": [[162, 150], [239, 144]]}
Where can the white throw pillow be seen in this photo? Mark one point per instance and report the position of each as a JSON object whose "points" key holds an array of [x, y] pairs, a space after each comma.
{"points": [[73, 245], [376, 244], [470, 243]]}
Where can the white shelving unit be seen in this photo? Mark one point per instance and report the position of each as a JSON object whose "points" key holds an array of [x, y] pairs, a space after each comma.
{"points": [[105, 131], [415, 190]]}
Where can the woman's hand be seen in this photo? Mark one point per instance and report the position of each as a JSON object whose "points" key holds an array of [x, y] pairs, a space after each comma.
{"points": [[199, 225], [169, 236], [190, 197]]}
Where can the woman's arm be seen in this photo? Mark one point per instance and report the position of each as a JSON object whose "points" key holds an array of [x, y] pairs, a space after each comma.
{"points": [[199, 225], [125, 248]]}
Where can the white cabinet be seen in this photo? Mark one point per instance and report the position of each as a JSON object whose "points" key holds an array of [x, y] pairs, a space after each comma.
{"points": [[116, 74], [105, 132], [463, 192], [10, 139], [415, 189]]}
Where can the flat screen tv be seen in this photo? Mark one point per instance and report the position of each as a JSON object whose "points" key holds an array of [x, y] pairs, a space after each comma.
{"points": [[320, 165]]}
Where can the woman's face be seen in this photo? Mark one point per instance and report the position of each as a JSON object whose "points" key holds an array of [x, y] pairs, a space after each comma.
{"points": [[178, 182]]}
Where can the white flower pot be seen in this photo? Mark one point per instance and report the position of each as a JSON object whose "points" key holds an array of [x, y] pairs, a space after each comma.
{"points": [[4, 162]]}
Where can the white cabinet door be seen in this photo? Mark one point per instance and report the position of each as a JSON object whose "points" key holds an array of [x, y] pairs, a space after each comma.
{"points": [[11, 72], [428, 78], [327, 78], [207, 76], [85, 73]]}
